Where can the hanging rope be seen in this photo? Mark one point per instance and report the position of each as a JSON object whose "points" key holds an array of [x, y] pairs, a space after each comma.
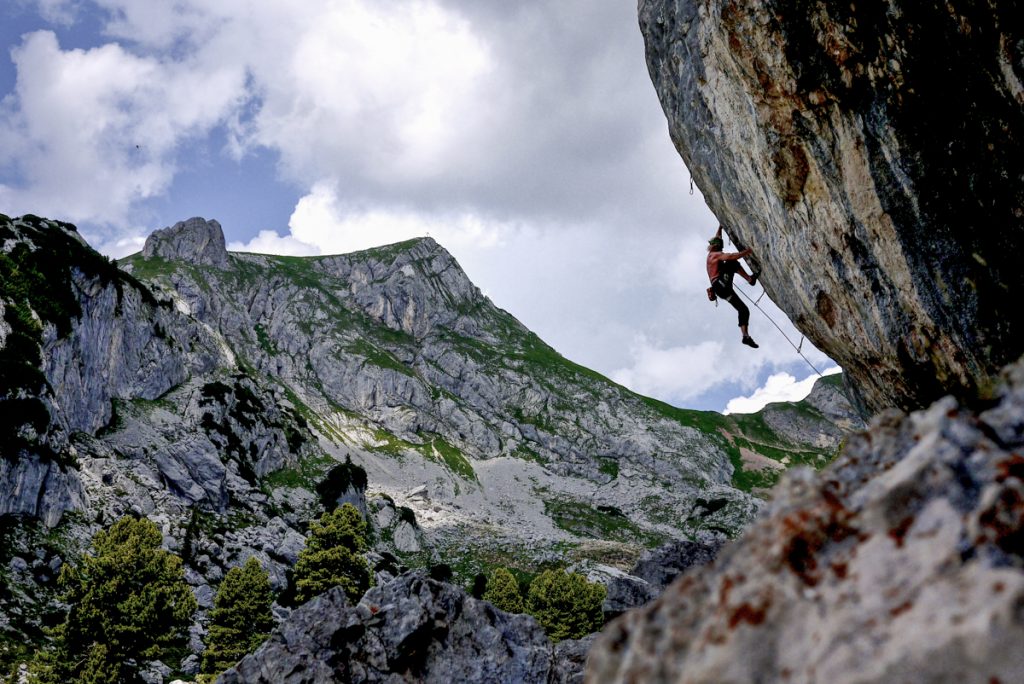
{"points": [[796, 347], [691, 185]]}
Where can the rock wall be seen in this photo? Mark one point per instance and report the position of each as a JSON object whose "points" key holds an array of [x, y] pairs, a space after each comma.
{"points": [[196, 241], [902, 562], [411, 629], [872, 156]]}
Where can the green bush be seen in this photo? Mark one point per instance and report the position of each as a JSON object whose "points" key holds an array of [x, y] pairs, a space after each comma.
{"points": [[503, 591], [241, 618], [128, 600], [566, 604], [332, 556]]}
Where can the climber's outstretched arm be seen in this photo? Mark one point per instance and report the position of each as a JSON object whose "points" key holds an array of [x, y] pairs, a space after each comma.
{"points": [[733, 256]]}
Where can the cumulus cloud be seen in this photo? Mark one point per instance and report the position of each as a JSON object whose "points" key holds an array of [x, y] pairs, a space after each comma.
{"points": [[778, 387], [679, 373], [271, 242], [89, 133], [435, 104]]}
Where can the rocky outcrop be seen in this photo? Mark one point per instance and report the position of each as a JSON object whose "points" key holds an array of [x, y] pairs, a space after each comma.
{"points": [[36, 487], [411, 629], [872, 156], [82, 333], [659, 567], [904, 561], [195, 241]]}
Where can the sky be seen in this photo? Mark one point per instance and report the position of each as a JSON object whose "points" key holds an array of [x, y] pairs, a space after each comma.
{"points": [[525, 137]]}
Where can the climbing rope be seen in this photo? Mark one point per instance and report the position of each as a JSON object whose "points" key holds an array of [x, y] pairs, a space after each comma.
{"points": [[799, 347], [691, 185]]}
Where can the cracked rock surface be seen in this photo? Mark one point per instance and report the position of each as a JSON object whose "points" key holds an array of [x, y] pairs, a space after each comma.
{"points": [[903, 561]]}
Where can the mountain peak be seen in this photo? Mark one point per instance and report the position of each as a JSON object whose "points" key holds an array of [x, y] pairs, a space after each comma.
{"points": [[196, 241]]}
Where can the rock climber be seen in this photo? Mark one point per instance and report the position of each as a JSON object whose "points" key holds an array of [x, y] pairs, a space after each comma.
{"points": [[721, 268]]}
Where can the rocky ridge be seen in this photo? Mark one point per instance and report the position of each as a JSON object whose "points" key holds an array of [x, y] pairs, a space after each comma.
{"points": [[871, 155], [226, 396]]}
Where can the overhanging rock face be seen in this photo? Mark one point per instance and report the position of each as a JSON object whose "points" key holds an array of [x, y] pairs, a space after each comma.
{"points": [[872, 155]]}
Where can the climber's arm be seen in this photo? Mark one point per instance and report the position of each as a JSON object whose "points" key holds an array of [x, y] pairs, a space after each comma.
{"points": [[733, 256]]}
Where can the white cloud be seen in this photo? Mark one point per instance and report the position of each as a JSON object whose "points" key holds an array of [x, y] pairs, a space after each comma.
{"points": [[271, 242], [674, 374], [385, 93], [383, 87], [778, 387], [61, 12], [93, 132], [119, 247], [322, 220]]}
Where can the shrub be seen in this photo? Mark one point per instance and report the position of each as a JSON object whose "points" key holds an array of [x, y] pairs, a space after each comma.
{"points": [[128, 601], [332, 556], [566, 604], [241, 618], [503, 591], [339, 480]]}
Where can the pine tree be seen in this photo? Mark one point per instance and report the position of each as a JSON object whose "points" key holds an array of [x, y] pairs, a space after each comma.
{"points": [[566, 604], [128, 601], [241, 618], [503, 591], [332, 556]]}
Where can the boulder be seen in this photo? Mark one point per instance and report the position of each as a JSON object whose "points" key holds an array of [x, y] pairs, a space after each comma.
{"points": [[659, 567], [903, 561], [196, 241], [412, 629]]}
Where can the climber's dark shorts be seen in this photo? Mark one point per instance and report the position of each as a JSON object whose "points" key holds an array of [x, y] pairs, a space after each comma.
{"points": [[723, 289]]}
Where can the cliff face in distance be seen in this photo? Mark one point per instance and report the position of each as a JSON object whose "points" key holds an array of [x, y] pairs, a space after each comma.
{"points": [[872, 156], [232, 398]]}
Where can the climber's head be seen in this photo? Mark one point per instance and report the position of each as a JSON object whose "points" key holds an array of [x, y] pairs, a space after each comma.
{"points": [[715, 244]]}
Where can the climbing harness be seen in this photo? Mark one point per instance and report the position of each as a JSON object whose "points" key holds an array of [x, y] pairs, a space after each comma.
{"points": [[798, 347]]}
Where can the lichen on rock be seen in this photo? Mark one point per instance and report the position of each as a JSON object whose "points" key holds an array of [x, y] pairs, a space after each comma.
{"points": [[904, 561]]}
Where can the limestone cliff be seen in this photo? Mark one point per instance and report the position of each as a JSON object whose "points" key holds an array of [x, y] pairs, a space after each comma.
{"points": [[872, 156]]}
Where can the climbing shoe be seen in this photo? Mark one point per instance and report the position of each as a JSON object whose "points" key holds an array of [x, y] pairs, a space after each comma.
{"points": [[749, 341], [753, 280]]}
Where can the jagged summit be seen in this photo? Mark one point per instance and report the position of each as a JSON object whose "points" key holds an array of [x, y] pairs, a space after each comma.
{"points": [[195, 241]]}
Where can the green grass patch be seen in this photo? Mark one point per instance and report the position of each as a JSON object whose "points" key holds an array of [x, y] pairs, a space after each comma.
{"points": [[608, 466], [527, 454], [452, 458], [604, 523], [305, 475], [266, 344], [150, 268], [378, 357]]}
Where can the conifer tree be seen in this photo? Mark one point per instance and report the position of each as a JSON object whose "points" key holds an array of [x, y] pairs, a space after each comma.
{"points": [[241, 618], [503, 591], [566, 604], [332, 556], [128, 601]]}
